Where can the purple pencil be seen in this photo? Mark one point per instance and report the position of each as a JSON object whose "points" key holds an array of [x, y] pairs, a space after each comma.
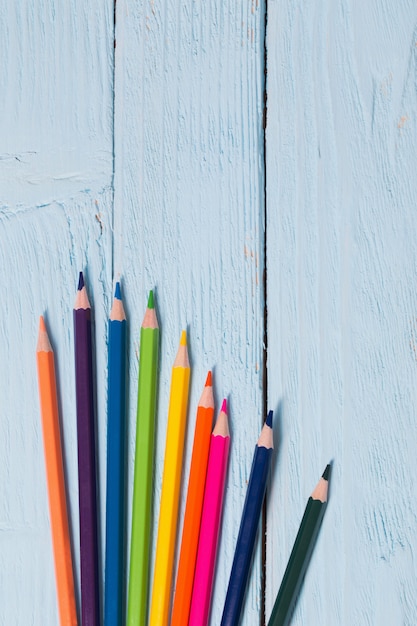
{"points": [[90, 610]]}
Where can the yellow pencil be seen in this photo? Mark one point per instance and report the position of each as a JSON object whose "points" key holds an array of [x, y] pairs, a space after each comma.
{"points": [[167, 528]]}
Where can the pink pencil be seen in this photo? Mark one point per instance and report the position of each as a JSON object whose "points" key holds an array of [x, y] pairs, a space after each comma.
{"points": [[210, 521]]}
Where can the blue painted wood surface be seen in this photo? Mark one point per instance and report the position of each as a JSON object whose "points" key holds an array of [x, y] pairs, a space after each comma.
{"points": [[341, 260], [145, 161]]}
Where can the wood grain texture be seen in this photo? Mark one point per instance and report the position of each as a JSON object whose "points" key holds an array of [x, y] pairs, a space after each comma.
{"points": [[341, 262], [145, 164], [188, 220], [56, 169], [145, 161]]}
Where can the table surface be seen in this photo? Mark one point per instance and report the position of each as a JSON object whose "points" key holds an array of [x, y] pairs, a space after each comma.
{"points": [[254, 164]]}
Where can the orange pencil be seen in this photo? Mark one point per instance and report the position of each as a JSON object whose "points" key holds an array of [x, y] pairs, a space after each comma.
{"points": [[194, 506], [55, 478]]}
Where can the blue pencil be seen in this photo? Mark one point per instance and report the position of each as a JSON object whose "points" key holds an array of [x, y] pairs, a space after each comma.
{"points": [[116, 404], [248, 526]]}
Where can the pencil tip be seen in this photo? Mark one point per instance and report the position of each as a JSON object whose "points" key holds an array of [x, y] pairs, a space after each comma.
{"points": [[151, 304], [208, 380], [183, 340], [268, 420], [80, 281], [326, 473], [221, 426], [43, 345], [224, 406], [117, 291]]}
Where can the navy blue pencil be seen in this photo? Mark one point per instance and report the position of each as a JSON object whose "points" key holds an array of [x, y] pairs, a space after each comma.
{"points": [[116, 405], [248, 526]]}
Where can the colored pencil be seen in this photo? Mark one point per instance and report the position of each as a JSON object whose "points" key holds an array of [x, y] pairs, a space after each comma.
{"points": [[194, 506], [84, 386], [248, 526], [301, 553], [144, 454], [210, 521], [61, 542], [116, 404], [167, 527]]}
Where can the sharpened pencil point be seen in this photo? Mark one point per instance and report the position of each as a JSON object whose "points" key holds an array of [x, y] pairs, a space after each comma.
{"points": [[118, 292], [42, 327], [183, 340], [326, 473], [80, 281], [221, 426], [268, 420], [151, 304], [224, 406], [43, 345], [208, 380]]}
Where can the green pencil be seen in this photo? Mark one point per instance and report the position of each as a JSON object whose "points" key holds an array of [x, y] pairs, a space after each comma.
{"points": [[301, 553], [144, 453]]}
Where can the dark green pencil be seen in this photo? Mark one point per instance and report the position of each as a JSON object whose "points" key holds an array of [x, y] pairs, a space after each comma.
{"points": [[301, 553]]}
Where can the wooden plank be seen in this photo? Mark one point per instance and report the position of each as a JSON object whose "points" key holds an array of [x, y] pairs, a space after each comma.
{"points": [[341, 259], [188, 220], [56, 100], [56, 169]]}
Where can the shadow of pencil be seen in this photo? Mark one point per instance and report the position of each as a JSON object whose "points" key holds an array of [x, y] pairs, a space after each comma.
{"points": [[277, 438]]}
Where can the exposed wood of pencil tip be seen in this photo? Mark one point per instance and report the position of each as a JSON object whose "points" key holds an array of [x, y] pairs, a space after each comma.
{"points": [[150, 319], [181, 360], [266, 438], [321, 489], [117, 313], [221, 427], [81, 298], [207, 398], [43, 345]]}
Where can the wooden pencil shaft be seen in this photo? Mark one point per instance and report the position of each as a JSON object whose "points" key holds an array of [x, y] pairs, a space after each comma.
{"points": [[143, 472], [192, 516], [167, 527], [297, 564], [209, 531], [56, 489], [86, 468], [114, 565], [246, 538]]}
